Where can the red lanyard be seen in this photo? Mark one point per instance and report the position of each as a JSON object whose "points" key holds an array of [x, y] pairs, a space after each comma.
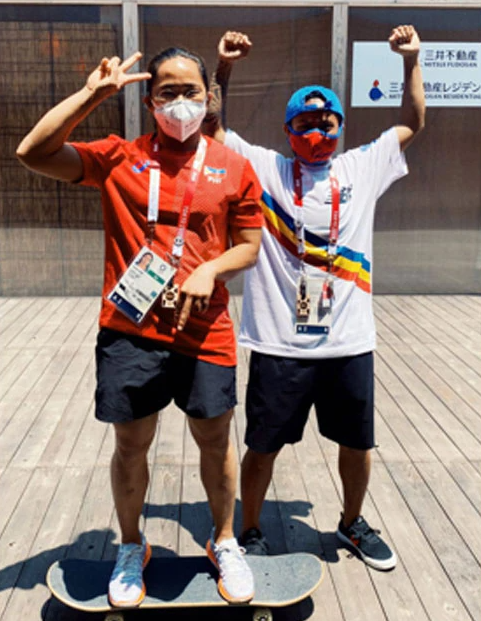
{"points": [[299, 220], [154, 199]]}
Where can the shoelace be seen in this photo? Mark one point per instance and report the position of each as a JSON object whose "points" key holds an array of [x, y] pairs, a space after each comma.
{"points": [[231, 558], [130, 563], [365, 531]]}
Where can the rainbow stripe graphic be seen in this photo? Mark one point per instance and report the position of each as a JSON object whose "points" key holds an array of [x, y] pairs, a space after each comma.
{"points": [[348, 265]]}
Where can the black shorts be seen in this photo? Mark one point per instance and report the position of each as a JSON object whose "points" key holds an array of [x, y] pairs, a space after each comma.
{"points": [[137, 377], [281, 391]]}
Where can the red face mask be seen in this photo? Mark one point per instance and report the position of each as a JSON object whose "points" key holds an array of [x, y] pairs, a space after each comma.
{"points": [[312, 147]]}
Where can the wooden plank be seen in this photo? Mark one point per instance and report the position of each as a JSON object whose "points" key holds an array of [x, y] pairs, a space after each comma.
{"points": [[19, 535], [13, 363], [68, 428], [473, 302], [424, 491], [7, 305], [411, 318], [78, 315], [15, 319], [25, 332], [427, 368], [396, 589], [91, 530], [195, 517], [107, 447], [169, 447], [13, 482], [456, 394], [163, 509], [404, 430], [444, 317], [466, 307], [434, 412], [393, 324], [50, 415], [322, 502], [442, 568], [26, 398], [457, 506], [416, 414], [299, 529], [55, 317], [454, 359], [23, 384], [85, 451], [43, 377], [434, 327], [346, 576], [50, 543], [468, 477], [191, 450]]}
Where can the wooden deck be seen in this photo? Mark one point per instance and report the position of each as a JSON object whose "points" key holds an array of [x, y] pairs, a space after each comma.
{"points": [[425, 492]]}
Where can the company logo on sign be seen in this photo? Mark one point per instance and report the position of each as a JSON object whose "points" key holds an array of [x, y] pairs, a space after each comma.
{"points": [[375, 93]]}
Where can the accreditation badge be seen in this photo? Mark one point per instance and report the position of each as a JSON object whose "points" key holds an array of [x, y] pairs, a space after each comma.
{"points": [[142, 283], [313, 311]]}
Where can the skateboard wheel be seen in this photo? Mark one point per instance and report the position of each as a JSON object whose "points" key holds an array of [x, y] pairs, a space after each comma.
{"points": [[262, 614], [114, 616]]}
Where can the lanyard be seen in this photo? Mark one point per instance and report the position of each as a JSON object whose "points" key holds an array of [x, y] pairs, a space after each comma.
{"points": [[184, 215], [299, 217]]}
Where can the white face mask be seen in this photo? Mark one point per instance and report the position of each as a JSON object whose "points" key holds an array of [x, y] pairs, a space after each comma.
{"points": [[181, 118]]}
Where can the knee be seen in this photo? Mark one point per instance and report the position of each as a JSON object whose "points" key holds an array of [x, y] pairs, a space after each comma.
{"points": [[132, 447], [259, 462], [211, 435], [214, 442]]}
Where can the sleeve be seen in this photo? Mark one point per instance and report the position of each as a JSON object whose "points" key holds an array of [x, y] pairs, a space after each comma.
{"points": [[262, 159], [97, 159], [246, 211], [385, 160]]}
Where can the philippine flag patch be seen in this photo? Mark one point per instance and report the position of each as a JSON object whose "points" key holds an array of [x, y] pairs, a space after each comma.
{"points": [[139, 167], [214, 175]]}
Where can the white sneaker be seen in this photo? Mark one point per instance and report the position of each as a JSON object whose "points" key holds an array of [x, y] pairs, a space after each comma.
{"points": [[126, 586], [236, 582]]}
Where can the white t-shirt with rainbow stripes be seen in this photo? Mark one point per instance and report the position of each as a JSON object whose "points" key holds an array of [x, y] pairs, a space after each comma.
{"points": [[364, 174]]}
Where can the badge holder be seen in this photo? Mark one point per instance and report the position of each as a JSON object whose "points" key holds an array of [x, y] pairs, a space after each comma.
{"points": [[141, 285], [313, 305]]}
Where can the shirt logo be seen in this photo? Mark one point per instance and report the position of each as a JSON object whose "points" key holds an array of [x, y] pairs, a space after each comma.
{"points": [[345, 195], [139, 167], [214, 175]]}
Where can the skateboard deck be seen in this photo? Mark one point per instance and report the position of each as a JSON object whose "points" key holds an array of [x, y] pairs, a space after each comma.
{"points": [[183, 582]]}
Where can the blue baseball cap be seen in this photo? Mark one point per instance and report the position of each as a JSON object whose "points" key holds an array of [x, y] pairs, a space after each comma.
{"points": [[297, 103]]}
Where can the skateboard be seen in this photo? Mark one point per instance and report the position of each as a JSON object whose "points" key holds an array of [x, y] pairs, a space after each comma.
{"points": [[187, 582]]}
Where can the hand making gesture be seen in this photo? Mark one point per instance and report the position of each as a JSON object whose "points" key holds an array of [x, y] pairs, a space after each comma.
{"points": [[111, 74]]}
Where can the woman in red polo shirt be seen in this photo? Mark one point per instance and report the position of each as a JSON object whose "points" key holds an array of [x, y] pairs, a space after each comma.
{"points": [[165, 331]]}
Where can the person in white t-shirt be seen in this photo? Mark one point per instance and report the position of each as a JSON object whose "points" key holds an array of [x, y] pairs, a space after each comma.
{"points": [[307, 308]]}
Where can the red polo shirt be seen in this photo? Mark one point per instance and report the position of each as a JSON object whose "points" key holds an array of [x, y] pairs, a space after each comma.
{"points": [[227, 196]]}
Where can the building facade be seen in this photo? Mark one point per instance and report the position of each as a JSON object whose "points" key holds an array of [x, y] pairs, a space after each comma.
{"points": [[428, 226]]}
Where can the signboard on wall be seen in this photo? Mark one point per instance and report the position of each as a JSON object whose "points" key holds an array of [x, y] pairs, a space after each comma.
{"points": [[451, 75]]}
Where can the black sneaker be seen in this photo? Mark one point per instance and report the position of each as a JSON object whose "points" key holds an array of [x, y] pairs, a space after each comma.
{"points": [[366, 541], [253, 542]]}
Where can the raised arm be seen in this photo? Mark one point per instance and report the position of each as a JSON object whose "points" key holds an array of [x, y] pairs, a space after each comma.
{"points": [[45, 148], [404, 40], [232, 47]]}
